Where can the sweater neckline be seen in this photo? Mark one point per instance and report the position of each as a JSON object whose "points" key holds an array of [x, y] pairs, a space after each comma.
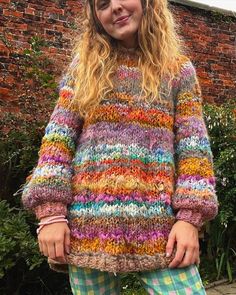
{"points": [[128, 55]]}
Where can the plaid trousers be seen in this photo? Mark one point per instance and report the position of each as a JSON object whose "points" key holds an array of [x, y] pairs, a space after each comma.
{"points": [[175, 281]]}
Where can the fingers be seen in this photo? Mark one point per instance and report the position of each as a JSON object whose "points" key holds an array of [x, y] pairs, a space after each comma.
{"points": [[44, 249], [60, 251], [42, 246], [51, 250], [170, 245], [189, 258], [47, 248], [178, 256], [187, 244], [67, 241], [63, 246], [54, 243]]}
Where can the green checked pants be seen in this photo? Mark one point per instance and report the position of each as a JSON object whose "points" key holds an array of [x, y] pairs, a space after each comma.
{"points": [[177, 281]]}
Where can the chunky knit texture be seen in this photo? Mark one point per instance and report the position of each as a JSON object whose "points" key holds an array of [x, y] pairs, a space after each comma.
{"points": [[126, 174]]}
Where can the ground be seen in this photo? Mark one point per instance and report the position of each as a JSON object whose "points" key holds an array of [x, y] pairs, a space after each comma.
{"points": [[224, 289]]}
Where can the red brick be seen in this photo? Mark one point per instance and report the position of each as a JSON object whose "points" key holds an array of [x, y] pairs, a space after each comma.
{"points": [[228, 83], [9, 80], [8, 12], [12, 109], [16, 26], [4, 93], [55, 10], [3, 47], [30, 11], [217, 67]]}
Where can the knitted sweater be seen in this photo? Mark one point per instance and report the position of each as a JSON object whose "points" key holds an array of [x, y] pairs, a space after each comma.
{"points": [[126, 174]]}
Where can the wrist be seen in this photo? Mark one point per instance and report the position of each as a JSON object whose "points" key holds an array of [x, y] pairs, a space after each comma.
{"points": [[46, 218], [183, 222], [49, 220]]}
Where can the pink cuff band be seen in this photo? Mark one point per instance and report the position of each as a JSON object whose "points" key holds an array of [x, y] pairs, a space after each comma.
{"points": [[50, 209], [191, 216]]}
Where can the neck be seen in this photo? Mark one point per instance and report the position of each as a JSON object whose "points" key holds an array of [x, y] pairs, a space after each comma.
{"points": [[132, 43], [127, 49]]}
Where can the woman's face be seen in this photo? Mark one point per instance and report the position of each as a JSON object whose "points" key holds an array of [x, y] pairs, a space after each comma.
{"points": [[120, 19]]}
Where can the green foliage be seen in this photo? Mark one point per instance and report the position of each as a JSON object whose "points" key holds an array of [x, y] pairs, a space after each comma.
{"points": [[221, 244], [221, 17], [22, 268], [37, 64], [18, 151], [16, 241], [130, 284], [221, 121]]}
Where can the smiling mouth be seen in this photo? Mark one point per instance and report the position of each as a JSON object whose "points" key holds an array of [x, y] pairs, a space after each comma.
{"points": [[123, 20]]}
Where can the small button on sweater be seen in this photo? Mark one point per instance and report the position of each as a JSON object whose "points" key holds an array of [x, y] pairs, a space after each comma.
{"points": [[124, 175]]}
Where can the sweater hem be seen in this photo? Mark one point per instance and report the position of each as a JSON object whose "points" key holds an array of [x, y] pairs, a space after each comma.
{"points": [[109, 263]]}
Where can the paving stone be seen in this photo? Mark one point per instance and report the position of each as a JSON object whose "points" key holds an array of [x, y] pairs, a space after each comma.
{"points": [[225, 289], [213, 292]]}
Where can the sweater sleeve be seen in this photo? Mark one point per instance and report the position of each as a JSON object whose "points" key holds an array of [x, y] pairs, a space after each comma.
{"points": [[194, 198], [47, 190]]}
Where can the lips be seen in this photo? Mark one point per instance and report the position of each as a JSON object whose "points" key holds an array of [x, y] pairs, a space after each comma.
{"points": [[122, 18]]}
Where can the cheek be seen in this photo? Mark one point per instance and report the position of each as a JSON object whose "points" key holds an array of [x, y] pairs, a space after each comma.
{"points": [[140, 15], [103, 18], [138, 8]]}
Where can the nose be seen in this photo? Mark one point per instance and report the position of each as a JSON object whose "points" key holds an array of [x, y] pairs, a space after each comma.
{"points": [[116, 5]]}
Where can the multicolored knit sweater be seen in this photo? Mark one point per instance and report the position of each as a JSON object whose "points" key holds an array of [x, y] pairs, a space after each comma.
{"points": [[124, 176]]}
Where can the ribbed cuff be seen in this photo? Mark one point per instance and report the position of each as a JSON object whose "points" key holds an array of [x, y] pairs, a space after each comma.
{"points": [[50, 209], [191, 216]]}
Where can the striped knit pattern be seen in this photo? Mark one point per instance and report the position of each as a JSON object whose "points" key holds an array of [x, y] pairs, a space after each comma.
{"points": [[127, 173]]}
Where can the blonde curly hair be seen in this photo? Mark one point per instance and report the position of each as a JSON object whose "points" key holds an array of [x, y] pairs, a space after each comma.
{"points": [[159, 46]]}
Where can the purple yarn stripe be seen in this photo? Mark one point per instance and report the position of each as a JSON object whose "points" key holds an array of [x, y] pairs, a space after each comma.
{"points": [[133, 196], [184, 177], [54, 159], [64, 117], [187, 70], [124, 73], [155, 137], [119, 235]]}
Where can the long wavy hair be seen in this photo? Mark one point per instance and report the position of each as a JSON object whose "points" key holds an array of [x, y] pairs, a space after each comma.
{"points": [[159, 46]]}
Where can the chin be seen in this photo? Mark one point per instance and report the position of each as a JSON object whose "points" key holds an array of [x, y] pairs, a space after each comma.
{"points": [[124, 37]]}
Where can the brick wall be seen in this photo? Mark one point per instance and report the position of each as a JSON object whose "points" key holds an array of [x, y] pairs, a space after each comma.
{"points": [[52, 21], [210, 40]]}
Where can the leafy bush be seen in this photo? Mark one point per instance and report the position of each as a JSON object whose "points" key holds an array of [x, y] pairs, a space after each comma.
{"points": [[220, 237], [16, 241], [16, 244], [22, 268]]}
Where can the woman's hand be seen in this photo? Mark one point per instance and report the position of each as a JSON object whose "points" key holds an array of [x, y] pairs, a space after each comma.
{"points": [[185, 235], [54, 240]]}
